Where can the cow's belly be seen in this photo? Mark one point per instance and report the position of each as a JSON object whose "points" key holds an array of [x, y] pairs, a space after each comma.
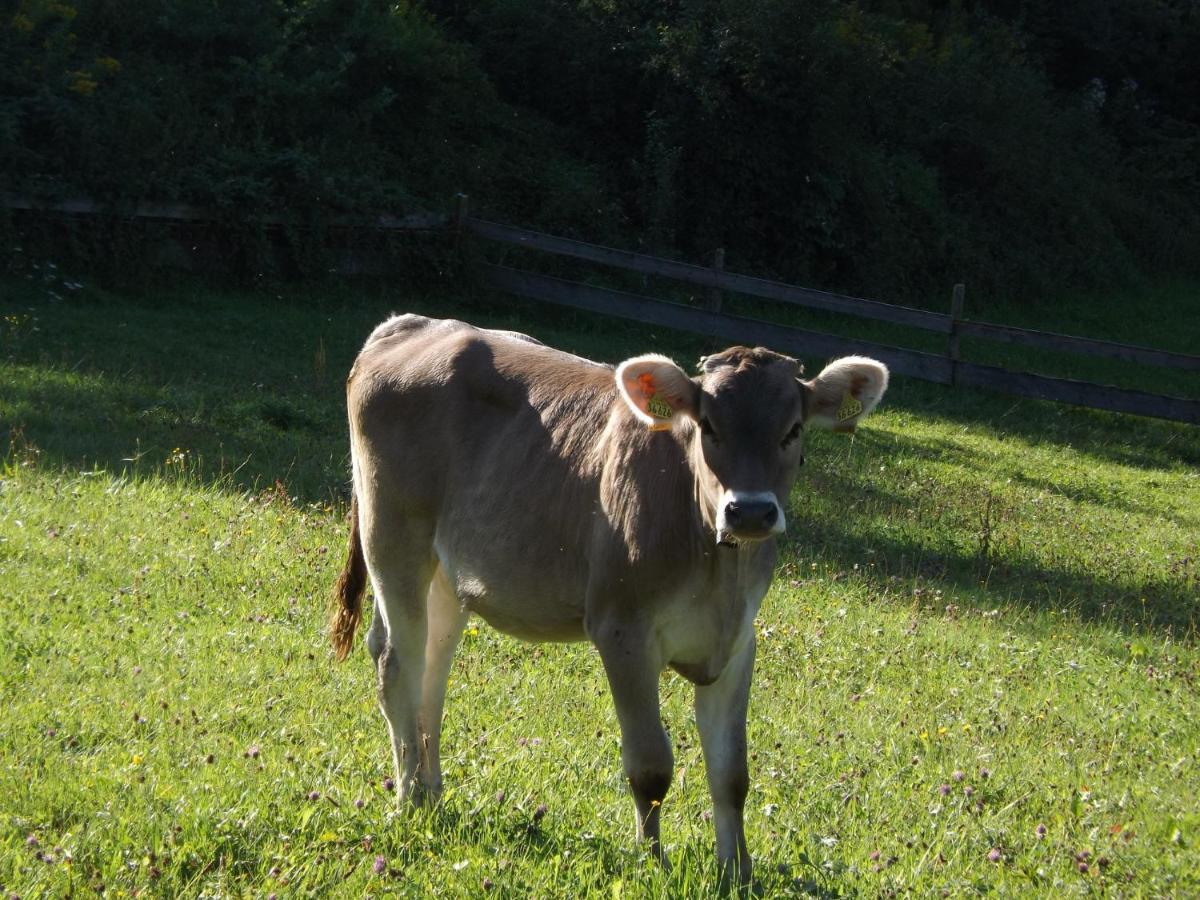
{"points": [[529, 622], [513, 537], [534, 592]]}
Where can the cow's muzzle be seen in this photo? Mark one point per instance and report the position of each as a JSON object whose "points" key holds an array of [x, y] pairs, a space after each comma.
{"points": [[744, 516]]}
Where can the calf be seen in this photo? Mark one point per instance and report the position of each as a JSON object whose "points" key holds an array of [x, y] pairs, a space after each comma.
{"points": [[559, 500]]}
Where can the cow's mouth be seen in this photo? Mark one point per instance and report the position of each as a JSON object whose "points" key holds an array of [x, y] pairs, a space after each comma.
{"points": [[728, 538]]}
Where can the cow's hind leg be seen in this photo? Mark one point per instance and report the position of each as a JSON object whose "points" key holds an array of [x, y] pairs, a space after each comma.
{"points": [[376, 637], [401, 570], [446, 617]]}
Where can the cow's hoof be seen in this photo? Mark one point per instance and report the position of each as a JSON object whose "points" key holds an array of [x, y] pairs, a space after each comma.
{"points": [[737, 879]]}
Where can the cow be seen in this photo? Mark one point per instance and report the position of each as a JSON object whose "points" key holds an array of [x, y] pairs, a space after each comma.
{"points": [[560, 499]]}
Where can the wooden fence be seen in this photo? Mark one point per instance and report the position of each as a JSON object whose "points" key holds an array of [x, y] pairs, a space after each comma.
{"points": [[185, 213], [946, 368]]}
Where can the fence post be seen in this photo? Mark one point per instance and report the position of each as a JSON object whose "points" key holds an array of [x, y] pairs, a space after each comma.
{"points": [[462, 208], [714, 294], [956, 310]]}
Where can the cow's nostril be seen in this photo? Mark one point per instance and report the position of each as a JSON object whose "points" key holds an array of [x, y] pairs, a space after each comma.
{"points": [[751, 515]]}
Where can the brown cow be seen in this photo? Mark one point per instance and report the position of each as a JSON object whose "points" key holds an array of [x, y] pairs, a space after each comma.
{"points": [[562, 500]]}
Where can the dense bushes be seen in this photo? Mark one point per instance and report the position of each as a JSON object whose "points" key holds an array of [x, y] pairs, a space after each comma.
{"points": [[887, 146], [890, 147], [309, 108]]}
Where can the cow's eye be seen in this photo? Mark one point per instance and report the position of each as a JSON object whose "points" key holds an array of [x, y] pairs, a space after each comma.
{"points": [[706, 428], [790, 436]]}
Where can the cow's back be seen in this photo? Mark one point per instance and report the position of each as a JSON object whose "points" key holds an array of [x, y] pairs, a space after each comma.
{"points": [[492, 440]]}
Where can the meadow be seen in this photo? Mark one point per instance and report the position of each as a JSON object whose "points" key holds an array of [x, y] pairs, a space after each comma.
{"points": [[977, 667]]}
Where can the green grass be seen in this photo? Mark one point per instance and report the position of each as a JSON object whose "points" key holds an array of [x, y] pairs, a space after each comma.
{"points": [[991, 595]]}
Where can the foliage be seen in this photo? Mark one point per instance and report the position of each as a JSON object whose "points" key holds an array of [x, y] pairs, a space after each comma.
{"points": [[302, 108], [883, 146], [891, 147], [1135, 69], [977, 672]]}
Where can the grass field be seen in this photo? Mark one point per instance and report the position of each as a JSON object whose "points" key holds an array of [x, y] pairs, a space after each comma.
{"points": [[977, 670]]}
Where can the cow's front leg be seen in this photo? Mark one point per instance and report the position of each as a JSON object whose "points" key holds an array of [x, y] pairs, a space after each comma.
{"points": [[721, 716], [633, 669]]}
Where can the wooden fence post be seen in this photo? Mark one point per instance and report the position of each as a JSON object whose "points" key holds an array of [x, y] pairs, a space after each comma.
{"points": [[714, 294], [462, 208], [956, 310]]}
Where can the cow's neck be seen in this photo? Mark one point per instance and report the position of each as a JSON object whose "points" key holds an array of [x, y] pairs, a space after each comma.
{"points": [[647, 480]]}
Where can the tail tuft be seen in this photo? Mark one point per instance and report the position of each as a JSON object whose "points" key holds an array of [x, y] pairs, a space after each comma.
{"points": [[346, 610]]}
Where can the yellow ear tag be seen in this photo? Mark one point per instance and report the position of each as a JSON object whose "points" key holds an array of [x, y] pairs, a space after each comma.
{"points": [[850, 408], [656, 406], [659, 408]]}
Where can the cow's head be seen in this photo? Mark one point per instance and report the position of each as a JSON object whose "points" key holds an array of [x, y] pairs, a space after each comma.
{"points": [[745, 415]]}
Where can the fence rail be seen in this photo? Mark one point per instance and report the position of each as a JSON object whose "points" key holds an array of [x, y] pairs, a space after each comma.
{"points": [[927, 366], [709, 277], [1047, 340], [183, 212], [1078, 393], [949, 368]]}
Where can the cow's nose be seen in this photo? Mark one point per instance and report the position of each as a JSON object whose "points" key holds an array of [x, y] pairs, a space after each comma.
{"points": [[751, 516]]}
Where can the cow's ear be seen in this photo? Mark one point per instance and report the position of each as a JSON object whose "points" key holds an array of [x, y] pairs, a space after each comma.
{"points": [[844, 393], [657, 390]]}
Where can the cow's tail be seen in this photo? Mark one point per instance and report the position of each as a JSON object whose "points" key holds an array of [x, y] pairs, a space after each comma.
{"points": [[348, 593]]}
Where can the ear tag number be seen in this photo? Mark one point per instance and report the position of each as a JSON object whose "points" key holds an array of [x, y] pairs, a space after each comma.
{"points": [[656, 406], [659, 408], [850, 408]]}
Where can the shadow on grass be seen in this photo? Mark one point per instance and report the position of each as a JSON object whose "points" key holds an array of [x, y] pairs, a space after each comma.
{"points": [[1096, 495], [249, 389], [990, 566], [247, 392], [1082, 486], [248, 440], [1134, 441]]}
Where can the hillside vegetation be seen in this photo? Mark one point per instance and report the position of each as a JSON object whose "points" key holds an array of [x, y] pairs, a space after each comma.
{"points": [[889, 146], [978, 669]]}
